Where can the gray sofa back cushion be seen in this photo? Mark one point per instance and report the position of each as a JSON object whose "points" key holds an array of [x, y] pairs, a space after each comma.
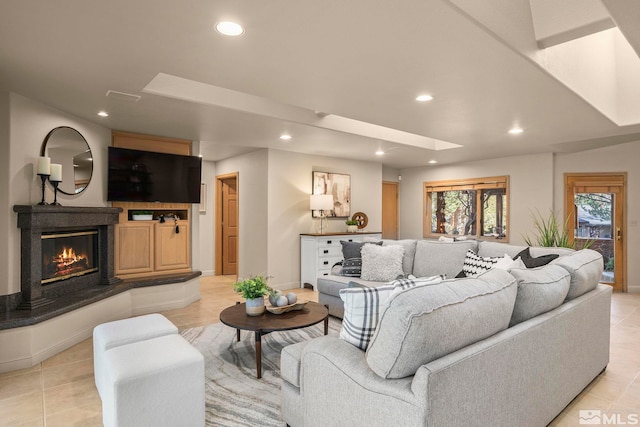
{"points": [[434, 258], [425, 323], [493, 249], [409, 246], [585, 267], [539, 290]]}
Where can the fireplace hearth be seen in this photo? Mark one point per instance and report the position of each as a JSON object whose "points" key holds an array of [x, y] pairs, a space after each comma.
{"points": [[64, 249]]}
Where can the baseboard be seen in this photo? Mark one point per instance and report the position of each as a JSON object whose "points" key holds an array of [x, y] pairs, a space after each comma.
{"points": [[633, 289]]}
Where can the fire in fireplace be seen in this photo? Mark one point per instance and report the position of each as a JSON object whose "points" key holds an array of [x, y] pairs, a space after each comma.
{"points": [[68, 254]]}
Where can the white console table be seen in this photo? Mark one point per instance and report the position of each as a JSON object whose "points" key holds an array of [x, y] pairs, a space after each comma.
{"points": [[320, 252]]}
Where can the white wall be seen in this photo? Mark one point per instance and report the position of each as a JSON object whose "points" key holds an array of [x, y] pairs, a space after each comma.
{"points": [[203, 244], [290, 176], [29, 123], [619, 158], [7, 221], [530, 185], [252, 171]]}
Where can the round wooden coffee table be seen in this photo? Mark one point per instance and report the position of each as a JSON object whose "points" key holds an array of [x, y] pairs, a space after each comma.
{"points": [[236, 317]]}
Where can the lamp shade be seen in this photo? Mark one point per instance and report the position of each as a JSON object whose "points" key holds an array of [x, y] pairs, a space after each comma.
{"points": [[321, 202]]}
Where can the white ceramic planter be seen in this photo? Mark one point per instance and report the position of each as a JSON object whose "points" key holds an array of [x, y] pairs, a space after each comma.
{"points": [[255, 306], [352, 228]]}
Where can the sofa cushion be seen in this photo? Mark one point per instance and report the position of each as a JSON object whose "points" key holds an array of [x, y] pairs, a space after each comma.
{"points": [[585, 267], [433, 258], [409, 246], [425, 323], [539, 290], [493, 249], [331, 285], [363, 306], [533, 262], [383, 263]]}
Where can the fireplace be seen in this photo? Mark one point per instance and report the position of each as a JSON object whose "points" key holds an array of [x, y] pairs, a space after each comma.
{"points": [[68, 254], [64, 250]]}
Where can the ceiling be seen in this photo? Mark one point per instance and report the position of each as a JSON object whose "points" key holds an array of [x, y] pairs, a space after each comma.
{"points": [[339, 77]]}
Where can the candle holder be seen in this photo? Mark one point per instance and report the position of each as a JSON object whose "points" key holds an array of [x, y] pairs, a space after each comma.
{"points": [[43, 177], [55, 192]]}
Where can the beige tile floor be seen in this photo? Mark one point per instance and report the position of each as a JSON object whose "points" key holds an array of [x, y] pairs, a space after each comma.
{"points": [[60, 391]]}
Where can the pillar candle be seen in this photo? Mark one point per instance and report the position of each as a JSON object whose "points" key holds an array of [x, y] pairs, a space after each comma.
{"points": [[43, 166], [56, 172]]}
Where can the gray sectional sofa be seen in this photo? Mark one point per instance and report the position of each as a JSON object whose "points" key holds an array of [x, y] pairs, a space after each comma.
{"points": [[504, 348]]}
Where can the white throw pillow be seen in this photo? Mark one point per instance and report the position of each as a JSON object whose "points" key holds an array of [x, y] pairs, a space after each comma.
{"points": [[381, 263], [474, 264], [363, 307]]}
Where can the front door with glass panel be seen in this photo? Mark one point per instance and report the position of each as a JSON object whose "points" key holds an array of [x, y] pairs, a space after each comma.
{"points": [[595, 208]]}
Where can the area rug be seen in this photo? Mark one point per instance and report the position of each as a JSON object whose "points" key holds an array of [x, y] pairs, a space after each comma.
{"points": [[233, 394]]}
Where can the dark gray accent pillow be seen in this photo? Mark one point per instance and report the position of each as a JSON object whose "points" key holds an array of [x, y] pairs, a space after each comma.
{"points": [[353, 249], [351, 267], [531, 262]]}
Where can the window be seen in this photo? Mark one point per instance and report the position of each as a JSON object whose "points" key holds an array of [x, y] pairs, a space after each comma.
{"points": [[471, 207]]}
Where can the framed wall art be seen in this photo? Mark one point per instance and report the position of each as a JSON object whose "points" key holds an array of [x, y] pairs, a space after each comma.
{"points": [[339, 186]]}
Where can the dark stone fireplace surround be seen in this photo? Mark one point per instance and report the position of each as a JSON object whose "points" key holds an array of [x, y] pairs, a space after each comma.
{"points": [[68, 295], [33, 221]]}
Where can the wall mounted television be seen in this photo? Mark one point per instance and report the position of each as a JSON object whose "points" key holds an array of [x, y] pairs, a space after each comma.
{"points": [[146, 176]]}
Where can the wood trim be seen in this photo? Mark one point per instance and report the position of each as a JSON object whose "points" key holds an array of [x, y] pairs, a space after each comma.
{"points": [[218, 219], [615, 182], [158, 144], [465, 184]]}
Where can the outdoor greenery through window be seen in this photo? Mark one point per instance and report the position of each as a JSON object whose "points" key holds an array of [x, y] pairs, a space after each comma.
{"points": [[471, 208]]}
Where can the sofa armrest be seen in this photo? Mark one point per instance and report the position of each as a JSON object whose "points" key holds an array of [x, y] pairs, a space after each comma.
{"points": [[335, 378]]}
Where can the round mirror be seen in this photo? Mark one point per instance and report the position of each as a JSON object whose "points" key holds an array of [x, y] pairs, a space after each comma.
{"points": [[67, 146]]}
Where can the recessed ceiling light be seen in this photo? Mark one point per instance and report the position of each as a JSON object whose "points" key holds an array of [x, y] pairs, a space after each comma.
{"points": [[285, 137], [424, 98], [515, 131], [103, 114], [229, 28], [379, 153], [432, 162]]}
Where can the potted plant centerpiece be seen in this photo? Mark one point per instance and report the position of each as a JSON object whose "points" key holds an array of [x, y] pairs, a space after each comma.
{"points": [[253, 290], [352, 225]]}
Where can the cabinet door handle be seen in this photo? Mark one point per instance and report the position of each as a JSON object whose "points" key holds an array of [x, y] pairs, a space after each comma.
{"points": [[326, 263], [326, 251], [329, 242]]}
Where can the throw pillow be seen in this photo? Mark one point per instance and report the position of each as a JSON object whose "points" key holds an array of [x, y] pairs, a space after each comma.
{"points": [[381, 263], [363, 306], [351, 252], [532, 262], [475, 264], [351, 267]]}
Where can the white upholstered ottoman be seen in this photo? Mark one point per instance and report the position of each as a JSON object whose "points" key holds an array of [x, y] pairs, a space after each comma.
{"points": [[156, 382], [122, 332]]}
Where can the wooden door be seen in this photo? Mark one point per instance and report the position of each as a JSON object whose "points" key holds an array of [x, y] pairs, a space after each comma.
{"points": [[389, 210], [227, 224], [595, 207]]}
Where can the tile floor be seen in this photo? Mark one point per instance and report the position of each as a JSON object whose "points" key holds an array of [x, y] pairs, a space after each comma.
{"points": [[60, 391]]}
